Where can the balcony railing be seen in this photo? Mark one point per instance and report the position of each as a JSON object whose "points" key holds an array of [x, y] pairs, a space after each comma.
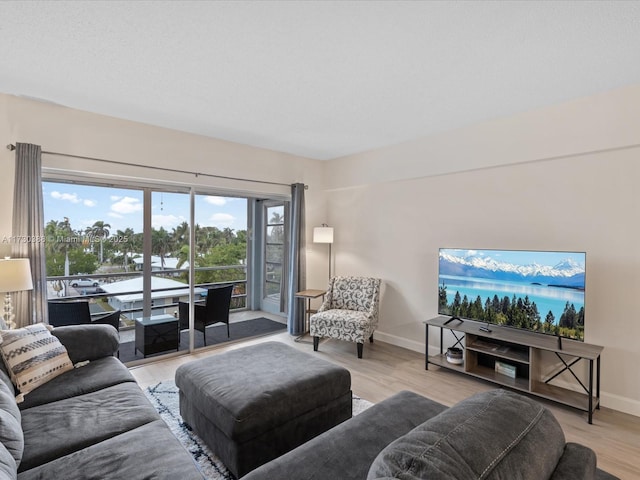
{"points": [[107, 296]]}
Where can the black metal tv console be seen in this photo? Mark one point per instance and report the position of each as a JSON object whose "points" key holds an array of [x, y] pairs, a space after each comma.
{"points": [[521, 360]]}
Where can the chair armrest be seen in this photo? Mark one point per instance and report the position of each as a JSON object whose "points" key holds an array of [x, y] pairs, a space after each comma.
{"points": [[112, 319], [88, 342]]}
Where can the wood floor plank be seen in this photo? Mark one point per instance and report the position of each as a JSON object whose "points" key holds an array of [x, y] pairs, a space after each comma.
{"points": [[386, 369]]}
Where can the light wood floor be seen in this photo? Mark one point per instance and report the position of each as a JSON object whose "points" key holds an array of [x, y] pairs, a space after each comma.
{"points": [[387, 369]]}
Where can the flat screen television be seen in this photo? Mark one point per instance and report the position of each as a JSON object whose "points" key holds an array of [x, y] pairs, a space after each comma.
{"points": [[540, 291]]}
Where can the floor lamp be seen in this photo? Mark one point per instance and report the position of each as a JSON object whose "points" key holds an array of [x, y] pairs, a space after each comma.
{"points": [[15, 276], [324, 234]]}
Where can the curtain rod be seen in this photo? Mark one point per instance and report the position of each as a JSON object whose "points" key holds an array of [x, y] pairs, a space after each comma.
{"points": [[12, 147]]}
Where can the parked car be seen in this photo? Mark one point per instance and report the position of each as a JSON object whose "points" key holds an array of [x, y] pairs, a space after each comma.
{"points": [[84, 282]]}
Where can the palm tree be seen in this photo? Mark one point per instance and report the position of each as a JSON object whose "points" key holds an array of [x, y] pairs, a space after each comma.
{"points": [[181, 234], [59, 237], [126, 244], [101, 230], [160, 244], [183, 256], [202, 239], [228, 235]]}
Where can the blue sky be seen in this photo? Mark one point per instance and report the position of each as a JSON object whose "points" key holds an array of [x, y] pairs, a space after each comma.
{"points": [[122, 208]]}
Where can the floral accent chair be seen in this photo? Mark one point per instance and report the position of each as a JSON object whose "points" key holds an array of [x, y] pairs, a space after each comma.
{"points": [[349, 311]]}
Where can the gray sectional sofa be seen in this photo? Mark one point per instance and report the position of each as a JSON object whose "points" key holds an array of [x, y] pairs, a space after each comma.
{"points": [[491, 435], [93, 422]]}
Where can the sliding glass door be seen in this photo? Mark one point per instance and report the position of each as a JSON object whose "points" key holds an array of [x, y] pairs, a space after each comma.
{"points": [[128, 249]]}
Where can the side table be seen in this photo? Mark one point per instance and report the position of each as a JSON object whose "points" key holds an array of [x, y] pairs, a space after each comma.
{"points": [[309, 295], [157, 333]]}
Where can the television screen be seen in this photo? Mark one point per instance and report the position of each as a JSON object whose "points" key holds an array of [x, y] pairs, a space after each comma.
{"points": [[535, 290]]}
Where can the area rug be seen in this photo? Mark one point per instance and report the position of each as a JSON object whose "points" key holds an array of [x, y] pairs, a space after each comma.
{"points": [[215, 334], [164, 397]]}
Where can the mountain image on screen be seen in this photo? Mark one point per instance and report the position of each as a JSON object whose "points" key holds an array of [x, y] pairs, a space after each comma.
{"points": [[539, 291]]}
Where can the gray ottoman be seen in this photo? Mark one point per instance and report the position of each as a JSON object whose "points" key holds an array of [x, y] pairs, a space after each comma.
{"points": [[256, 403]]}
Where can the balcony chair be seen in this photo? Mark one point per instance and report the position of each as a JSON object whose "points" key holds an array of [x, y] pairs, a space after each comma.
{"points": [[77, 313], [349, 311], [214, 310]]}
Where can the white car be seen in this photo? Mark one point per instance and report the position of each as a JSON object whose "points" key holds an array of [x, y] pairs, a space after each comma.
{"points": [[84, 282]]}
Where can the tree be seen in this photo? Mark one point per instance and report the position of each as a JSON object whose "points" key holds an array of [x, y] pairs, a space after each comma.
{"points": [[60, 239], [100, 230], [549, 322], [455, 306], [161, 244], [80, 262], [180, 234], [218, 256], [183, 256], [442, 299], [569, 317], [126, 245]]}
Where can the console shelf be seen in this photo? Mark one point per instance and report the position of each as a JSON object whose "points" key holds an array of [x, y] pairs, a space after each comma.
{"points": [[522, 354]]}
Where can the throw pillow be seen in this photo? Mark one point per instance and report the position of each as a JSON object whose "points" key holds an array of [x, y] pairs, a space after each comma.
{"points": [[33, 357]]}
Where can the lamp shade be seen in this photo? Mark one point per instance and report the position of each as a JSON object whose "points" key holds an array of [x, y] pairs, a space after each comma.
{"points": [[15, 275], [323, 235]]}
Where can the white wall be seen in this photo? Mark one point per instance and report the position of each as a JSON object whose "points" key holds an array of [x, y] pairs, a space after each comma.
{"points": [[69, 131], [393, 208]]}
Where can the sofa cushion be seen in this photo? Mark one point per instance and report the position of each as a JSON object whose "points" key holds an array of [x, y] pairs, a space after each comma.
{"points": [[33, 356], [11, 436], [58, 428], [490, 435], [8, 467], [96, 375], [88, 342], [4, 374], [150, 451]]}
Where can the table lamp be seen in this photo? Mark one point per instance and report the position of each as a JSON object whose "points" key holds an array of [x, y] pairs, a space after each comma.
{"points": [[15, 276]]}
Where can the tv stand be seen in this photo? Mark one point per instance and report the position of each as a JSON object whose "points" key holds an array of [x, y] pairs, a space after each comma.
{"points": [[452, 319], [521, 360]]}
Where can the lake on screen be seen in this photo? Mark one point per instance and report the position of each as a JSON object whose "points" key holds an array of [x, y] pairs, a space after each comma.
{"points": [[546, 298]]}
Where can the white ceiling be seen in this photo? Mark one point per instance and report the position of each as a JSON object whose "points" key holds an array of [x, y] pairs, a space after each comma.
{"points": [[316, 78]]}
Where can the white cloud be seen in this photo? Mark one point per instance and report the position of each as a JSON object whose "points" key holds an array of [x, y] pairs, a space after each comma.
{"points": [[115, 198], [219, 201], [115, 215], [222, 220], [69, 197], [89, 203], [127, 205], [166, 221]]}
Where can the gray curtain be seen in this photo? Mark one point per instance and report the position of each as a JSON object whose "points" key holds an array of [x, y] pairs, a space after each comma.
{"points": [[28, 222], [296, 262]]}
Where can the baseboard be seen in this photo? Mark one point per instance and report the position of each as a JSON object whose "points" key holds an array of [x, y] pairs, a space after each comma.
{"points": [[607, 400], [399, 341], [620, 404]]}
